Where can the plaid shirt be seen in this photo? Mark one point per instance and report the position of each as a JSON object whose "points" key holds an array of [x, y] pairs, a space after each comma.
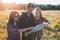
{"points": [[13, 33]]}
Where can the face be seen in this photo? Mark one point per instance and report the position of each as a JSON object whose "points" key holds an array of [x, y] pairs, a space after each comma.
{"points": [[30, 9], [16, 17], [38, 13]]}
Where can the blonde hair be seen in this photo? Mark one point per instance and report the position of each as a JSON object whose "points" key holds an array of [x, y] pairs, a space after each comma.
{"points": [[34, 11]]}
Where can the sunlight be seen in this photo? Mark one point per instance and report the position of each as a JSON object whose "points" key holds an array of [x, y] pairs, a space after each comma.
{"points": [[16, 1], [32, 1], [7, 1]]}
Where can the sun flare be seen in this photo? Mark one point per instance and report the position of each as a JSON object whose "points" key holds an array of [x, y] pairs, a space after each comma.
{"points": [[7, 1], [15, 1]]}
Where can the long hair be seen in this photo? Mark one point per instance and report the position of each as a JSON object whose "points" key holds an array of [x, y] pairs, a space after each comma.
{"points": [[11, 17], [34, 11]]}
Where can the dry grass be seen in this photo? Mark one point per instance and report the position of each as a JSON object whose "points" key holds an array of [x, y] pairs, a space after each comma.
{"points": [[54, 16]]}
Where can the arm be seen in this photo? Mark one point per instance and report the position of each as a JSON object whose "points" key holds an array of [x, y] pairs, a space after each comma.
{"points": [[11, 29], [44, 19], [47, 21], [25, 29]]}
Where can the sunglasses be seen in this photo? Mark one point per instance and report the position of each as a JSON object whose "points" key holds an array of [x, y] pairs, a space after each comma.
{"points": [[16, 16]]}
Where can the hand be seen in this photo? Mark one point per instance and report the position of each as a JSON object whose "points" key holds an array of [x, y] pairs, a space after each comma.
{"points": [[49, 22], [32, 27], [26, 34]]}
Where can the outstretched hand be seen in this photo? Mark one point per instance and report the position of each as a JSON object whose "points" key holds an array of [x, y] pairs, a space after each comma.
{"points": [[26, 34]]}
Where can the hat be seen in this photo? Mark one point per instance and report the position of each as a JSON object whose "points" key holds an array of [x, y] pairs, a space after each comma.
{"points": [[29, 5]]}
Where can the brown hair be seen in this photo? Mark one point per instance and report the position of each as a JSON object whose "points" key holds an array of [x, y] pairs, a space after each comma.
{"points": [[11, 17], [29, 5]]}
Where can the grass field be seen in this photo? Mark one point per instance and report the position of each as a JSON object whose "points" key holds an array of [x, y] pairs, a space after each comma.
{"points": [[52, 15]]}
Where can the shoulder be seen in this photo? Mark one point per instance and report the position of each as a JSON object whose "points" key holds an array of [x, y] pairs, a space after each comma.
{"points": [[8, 24], [32, 15], [23, 14], [44, 19]]}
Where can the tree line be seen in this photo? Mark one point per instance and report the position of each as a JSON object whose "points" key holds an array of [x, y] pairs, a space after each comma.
{"points": [[14, 6], [48, 6]]}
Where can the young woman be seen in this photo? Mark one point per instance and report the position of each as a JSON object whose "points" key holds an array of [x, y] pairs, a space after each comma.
{"points": [[12, 28], [38, 20]]}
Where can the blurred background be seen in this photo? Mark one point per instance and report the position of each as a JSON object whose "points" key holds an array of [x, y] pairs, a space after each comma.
{"points": [[50, 10]]}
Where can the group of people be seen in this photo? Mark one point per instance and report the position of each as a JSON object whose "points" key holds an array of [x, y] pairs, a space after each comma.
{"points": [[24, 23]]}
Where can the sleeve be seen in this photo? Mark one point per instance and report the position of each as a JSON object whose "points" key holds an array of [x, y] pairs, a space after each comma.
{"points": [[11, 30], [44, 19]]}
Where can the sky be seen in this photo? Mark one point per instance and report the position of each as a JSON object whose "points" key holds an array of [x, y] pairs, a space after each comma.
{"points": [[54, 2]]}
